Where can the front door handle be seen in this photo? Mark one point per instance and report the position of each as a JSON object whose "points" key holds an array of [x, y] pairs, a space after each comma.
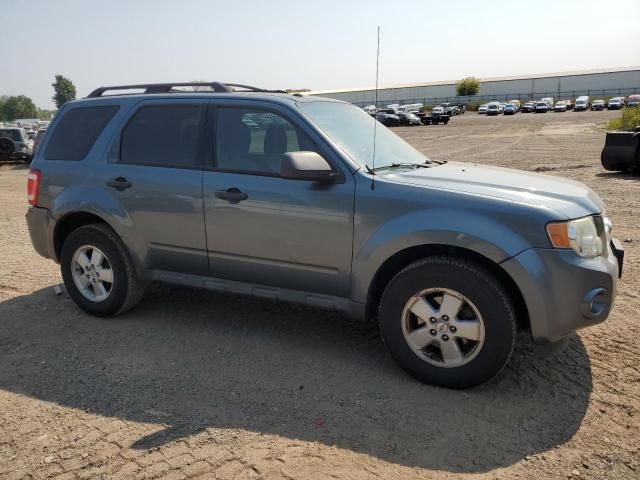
{"points": [[119, 183], [232, 195]]}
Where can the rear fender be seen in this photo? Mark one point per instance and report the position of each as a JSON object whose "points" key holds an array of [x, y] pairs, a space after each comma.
{"points": [[96, 201]]}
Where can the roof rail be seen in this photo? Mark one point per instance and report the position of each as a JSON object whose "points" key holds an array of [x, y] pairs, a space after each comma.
{"points": [[216, 87]]}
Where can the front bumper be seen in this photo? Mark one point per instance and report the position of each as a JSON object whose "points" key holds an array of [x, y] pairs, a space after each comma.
{"points": [[564, 292], [41, 225]]}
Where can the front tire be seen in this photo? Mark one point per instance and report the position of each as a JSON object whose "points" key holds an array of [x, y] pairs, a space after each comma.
{"points": [[98, 271], [448, 322]]}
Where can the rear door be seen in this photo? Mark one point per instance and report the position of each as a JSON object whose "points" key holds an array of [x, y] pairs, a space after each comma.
{"points": [[261, 228], [154, 170]]}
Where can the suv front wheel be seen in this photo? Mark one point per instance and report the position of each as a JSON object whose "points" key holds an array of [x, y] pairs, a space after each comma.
{"points": [[448, 322], [98, 271]]}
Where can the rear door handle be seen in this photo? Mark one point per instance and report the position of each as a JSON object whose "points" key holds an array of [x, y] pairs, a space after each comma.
{"points": [[232, 195], [119, 183]]}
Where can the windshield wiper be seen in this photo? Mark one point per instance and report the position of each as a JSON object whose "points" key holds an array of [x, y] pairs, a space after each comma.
{"points": [[402, 165]]}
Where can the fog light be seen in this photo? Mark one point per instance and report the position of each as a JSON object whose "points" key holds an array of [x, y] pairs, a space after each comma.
{"points": [[595, 303]]}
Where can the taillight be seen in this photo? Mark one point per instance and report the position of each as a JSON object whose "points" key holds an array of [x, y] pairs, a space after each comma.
{"points": [[33, 186]]}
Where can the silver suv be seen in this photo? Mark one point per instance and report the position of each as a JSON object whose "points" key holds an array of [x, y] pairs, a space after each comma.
{"points": [[284, 197], [14, 144]]}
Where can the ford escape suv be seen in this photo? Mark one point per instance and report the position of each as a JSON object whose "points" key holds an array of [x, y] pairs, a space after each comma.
{"points": [[284, 197]]}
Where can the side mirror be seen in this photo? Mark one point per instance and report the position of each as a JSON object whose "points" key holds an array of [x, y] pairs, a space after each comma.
{"points": [[307, 166]]}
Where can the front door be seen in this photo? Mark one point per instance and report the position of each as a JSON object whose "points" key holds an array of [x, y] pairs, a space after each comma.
{"points": [[263, 229]]}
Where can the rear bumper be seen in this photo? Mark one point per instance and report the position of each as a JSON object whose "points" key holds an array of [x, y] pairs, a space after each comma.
{"points": [[14, 156], [564, 292], [41, 225]]}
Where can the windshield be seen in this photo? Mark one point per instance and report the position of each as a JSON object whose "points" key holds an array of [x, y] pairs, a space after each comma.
{"points": [[12, 133], [352, 130]]}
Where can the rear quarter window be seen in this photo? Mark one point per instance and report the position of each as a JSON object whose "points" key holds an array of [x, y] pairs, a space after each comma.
{"points": [[77, 131]]}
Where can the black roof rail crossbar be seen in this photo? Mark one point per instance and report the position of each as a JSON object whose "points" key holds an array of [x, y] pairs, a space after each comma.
{"points": [[217, 87], [253, 89]]}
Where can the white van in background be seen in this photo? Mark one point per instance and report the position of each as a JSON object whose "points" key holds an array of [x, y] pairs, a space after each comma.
{"points": [[582, 103], [549, 101]]}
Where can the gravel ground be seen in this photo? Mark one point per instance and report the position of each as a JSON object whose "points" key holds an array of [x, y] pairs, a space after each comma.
{"points": [[194, 384]]}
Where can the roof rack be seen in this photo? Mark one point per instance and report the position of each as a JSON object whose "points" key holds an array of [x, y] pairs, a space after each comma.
{"points": [[216, 87]]}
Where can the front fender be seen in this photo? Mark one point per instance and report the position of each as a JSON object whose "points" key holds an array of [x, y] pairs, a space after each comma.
{"points": [[464, 229]]}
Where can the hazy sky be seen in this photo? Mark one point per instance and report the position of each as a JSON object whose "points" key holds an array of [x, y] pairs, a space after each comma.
{"points": [[305, 44]]}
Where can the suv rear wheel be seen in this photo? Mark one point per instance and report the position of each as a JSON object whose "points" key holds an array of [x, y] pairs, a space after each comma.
{"points": [[448, 322], [98, 271]]}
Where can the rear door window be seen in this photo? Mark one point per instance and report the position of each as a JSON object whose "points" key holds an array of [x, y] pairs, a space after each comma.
{"points": [[77, 131], [163, 136]]}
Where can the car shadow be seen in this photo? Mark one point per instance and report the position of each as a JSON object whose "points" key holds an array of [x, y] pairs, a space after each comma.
{"points": [[194, 360], [619, 175]]}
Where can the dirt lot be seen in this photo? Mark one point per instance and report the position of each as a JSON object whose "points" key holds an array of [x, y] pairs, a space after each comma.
{"points": [[196, 384]]}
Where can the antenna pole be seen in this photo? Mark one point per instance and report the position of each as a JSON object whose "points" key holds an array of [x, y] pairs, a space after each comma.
{"points": [[375, 123]]}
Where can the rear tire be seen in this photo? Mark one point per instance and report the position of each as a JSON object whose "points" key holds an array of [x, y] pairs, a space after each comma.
{"points": [[480, 334], [113, 298]]}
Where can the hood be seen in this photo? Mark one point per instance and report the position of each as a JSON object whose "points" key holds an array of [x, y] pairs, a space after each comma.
{"points": [[570, 198]]}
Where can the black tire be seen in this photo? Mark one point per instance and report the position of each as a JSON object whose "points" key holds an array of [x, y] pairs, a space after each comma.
{"points": [[476, 284], [127, 289]]}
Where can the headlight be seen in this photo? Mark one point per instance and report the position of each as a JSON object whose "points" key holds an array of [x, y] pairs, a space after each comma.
{"points": [[581, 235]]}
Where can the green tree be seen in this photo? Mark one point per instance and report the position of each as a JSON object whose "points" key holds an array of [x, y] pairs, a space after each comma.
{"points": [[15, 107], [468, 86], [64, 91], [44, 114]]}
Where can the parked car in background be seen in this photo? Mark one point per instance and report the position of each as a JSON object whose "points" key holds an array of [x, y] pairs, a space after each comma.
{"points": [[633, 100], [450, 109], [38, 140], [597, 105], [516, 103], [549, 101], [510, 109], [388, 118], [434, 117], [494, 109], [615, 103], [409, 107], [482, 109], [408, 119], [621, 152], [560, 107], [528, 107], [569, 104], [450, 259], [542, 107], [370, 109], [582, 104], [14, 144]]}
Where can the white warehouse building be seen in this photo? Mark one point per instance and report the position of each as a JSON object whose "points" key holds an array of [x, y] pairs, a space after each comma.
{"points": [[606, 82]]}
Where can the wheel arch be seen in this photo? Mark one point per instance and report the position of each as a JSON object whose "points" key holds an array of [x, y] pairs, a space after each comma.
{"points": [[70, 222], [398, 261]]}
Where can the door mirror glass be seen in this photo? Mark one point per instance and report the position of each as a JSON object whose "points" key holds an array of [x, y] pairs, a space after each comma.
{"points": [[308, 166]]}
